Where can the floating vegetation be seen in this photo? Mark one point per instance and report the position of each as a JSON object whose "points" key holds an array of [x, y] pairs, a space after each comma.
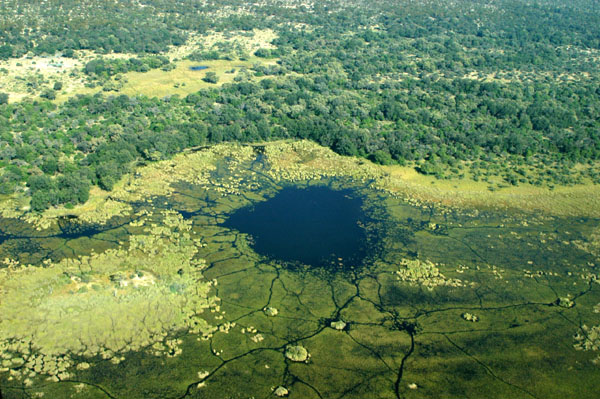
{"points": [[131, 290], [296, 353], [565, 302], [424, 273], [591, 244], [106, 305], [270, 311], [470, 317], [588, 339], [338, 325], [281, 391]]}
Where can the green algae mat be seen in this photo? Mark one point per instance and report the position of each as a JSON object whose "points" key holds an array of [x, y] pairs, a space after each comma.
{"points": [[156, 293]]}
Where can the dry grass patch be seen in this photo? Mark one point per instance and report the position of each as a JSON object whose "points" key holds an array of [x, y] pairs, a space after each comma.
{"points": [[28, 77], [577, 200]]}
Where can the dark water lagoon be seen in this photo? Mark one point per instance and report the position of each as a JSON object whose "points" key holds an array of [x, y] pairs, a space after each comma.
{"points": [[425, 302], [316, 226]]}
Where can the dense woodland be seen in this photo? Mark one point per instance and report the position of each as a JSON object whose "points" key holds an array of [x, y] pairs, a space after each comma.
{"points": [[508, 88]]}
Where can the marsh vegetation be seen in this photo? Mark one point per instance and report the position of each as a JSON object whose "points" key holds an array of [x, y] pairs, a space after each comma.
{"points": [[475, 297]]}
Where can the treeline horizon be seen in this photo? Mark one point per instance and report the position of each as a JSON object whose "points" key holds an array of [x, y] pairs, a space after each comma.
{"points": [[506, 88]]}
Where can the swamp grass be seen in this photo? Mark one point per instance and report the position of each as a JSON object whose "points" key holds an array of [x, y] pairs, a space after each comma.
{"points": [[402, 339]]}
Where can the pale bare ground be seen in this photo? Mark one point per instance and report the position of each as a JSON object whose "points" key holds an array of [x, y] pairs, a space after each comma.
{"points": [[29, 76], [516, 75]]}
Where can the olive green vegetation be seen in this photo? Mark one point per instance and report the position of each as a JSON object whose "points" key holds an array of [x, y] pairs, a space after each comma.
{"points": [[506, 94], [104, 305], [454, 301]]}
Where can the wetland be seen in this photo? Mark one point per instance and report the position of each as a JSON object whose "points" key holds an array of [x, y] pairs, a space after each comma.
{"points": [[285, 270]]}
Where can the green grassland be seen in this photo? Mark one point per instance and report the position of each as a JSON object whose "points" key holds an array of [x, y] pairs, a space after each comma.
{"points": [[183, 81]]}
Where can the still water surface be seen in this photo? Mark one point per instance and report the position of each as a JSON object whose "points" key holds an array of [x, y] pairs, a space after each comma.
{"points": [[316, 226]]}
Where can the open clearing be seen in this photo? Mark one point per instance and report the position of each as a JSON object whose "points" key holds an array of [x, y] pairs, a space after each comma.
{"points": [[182, 80], [30, 76]]}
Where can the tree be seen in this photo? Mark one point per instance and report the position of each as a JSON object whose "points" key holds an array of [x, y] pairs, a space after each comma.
{"points": [[69, 53], [40, 201], [210, 77], [263, 53], [50, 165], [107, 174], [39, 183], [431, 167], [345, 146], [49, 94], [381, 157], [73, 188], [3, 98], [6, 52]]}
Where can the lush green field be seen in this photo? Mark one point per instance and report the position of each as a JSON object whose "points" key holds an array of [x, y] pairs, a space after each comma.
{"points": [[181, 80]]}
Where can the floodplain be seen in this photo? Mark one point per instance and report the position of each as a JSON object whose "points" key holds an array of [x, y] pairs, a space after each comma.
{"points": [[447, 299]]}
